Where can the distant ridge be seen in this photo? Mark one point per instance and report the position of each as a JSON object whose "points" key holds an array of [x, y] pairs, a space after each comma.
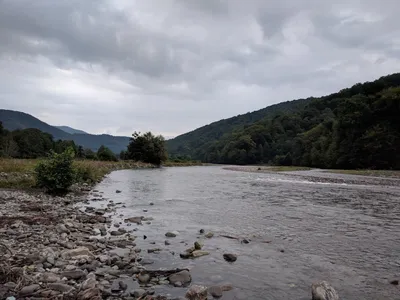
{"points": [[13, 120], [70, 130]]}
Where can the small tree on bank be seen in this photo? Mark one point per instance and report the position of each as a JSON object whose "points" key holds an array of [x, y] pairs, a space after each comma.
{"points": [[56, 174], [147, 148]]}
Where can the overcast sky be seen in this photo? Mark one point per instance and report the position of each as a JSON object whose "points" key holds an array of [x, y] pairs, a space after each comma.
{"points": [[170, 66]]}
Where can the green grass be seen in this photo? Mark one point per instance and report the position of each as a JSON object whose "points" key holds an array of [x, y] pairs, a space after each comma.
{"points": [[375, 173], [19, 173]]}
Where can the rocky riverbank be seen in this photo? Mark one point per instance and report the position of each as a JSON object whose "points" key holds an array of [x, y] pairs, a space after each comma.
{"points": [[56, 248]]}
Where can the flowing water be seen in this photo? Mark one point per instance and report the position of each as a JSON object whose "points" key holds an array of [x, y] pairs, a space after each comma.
{"points": [[303, 227]]}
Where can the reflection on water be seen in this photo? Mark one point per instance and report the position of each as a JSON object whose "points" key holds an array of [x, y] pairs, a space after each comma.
{"points": [[344, 230]]}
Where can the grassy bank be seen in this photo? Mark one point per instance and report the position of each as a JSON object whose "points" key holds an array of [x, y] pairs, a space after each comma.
{"points": [[19, 173], [375, 173]]}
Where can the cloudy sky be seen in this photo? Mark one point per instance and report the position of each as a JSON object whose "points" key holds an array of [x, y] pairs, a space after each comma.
{"points": [[170, 66]]}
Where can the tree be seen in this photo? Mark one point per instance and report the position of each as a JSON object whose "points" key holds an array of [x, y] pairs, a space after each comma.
{"points": [[147, 148], [105, 154], [89, 154]]}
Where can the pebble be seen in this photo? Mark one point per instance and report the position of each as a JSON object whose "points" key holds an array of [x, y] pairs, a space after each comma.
{"points": [[230, 257], [215, 291]]}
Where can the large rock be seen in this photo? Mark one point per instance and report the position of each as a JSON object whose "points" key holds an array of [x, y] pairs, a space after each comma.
{"points": [[183, 276], [143, 278], [197, 292], [74, 253], [198, 245], [30, 289], [323, 291]]}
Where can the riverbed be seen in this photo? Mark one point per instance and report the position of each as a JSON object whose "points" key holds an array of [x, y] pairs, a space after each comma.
{"points": [[301, 227]]}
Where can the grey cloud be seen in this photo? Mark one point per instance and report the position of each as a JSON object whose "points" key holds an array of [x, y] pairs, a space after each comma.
{"points": [[173, 65]]}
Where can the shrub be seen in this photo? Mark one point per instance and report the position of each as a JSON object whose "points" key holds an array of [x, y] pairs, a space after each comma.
{"points": [[56, 173]]}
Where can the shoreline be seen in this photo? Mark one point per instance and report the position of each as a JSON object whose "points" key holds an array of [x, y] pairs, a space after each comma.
{"points": [[50, 248]]}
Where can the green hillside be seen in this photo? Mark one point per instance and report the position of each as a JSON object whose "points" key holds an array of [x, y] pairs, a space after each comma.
{"points": [[192, 143], [13, 120], [358, 127]]}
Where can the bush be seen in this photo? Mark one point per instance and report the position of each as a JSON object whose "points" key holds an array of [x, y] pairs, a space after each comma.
{"points": [[56, 174]]}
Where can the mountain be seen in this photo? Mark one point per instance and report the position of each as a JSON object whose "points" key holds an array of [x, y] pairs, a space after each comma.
{"points": [[189, 143], [13, 120], [357, 127], [70, 130]]}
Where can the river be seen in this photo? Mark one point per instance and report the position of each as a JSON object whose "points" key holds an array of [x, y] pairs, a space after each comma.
{"points": [[303, 227]]}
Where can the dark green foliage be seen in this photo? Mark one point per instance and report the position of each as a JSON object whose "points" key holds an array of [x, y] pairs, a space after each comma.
{"points": [[56, 173], [32, 143], [358, 127], [105, 154], [89, 154], [13, 120], [60, 146], [122, 155], [147, 148]]}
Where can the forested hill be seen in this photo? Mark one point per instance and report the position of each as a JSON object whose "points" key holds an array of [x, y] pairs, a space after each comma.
{"points": [[358, 127], [187, 144], [16, 120]]}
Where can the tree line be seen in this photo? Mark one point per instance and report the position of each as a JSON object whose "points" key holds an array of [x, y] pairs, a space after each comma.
{"points": [[356, 128], [32, 143]]}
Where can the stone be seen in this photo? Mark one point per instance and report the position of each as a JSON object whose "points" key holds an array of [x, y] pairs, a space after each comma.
{"points": [[394, 282], [103, 258], [209, 235], [245, 241], [10, 285], [197, 292], [116, 233], [178, 284], [73, 274], [145, 210], [60, 287], [226, 287], [182, 276], [30, 289], [137, 293], [123, 286], [323, 291], [199, 253], [215, 291], [137, 220], [50, 277], [229, 257], [198, 245], [62, 228], [185, 255], [154, 250], [143, 278], [89, 283], [90, 294], [68, 254], [167, 243], [118, 191], [170, 234], [151, 203], [201, 231]]}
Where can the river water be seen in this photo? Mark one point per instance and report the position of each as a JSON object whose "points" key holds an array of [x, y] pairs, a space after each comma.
{"points": [[303, 227]]}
